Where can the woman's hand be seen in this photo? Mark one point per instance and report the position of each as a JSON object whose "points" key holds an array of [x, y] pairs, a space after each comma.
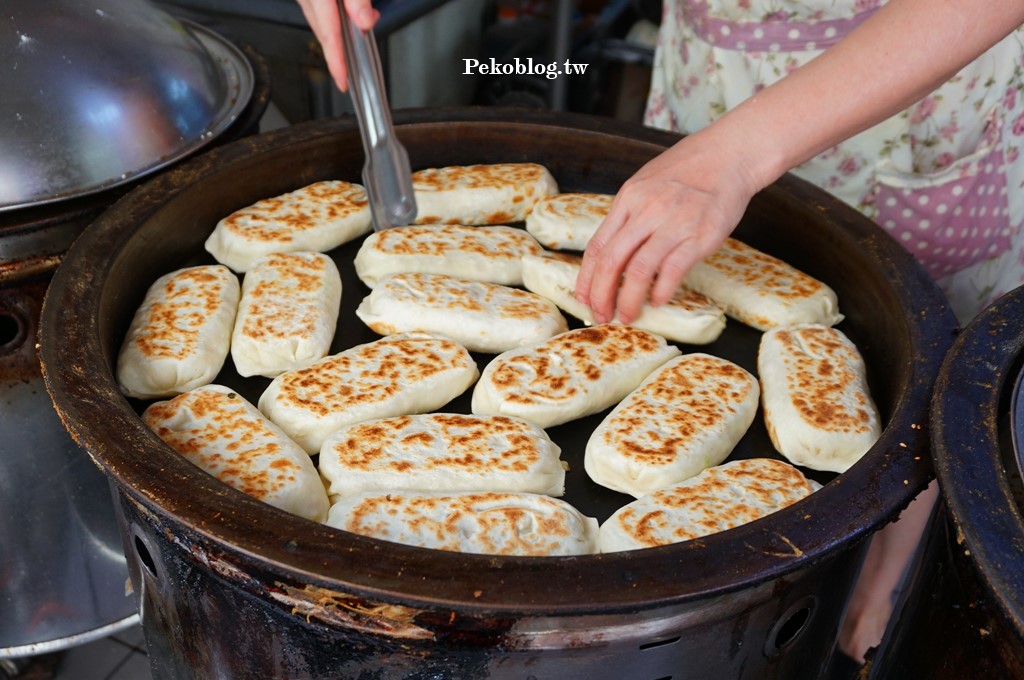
{"points": [[673, 212], [679, 207], [322, 16]]}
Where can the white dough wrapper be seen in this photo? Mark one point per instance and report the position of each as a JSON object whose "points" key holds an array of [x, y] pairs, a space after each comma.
{"points": [[394, 376], [480, 194], [490, 254], [760, 290], [573, 374], [287, 315], [685, 417], [817, 405], [318, 218], [688, 317], [448, 452], [491, 523], [568, 221], [719, 498], [222, 433], [482, 317], [180, 334]]}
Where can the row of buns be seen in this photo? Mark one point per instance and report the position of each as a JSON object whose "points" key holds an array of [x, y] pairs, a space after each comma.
{"points": [[426, 481]]}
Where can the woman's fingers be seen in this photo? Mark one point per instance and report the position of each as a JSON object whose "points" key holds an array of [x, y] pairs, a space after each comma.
{"points": [[362, 13], [710, 225], [652, 264], [592, 286], [322, 16], [673, 270], [617, 250], [672, 213]]}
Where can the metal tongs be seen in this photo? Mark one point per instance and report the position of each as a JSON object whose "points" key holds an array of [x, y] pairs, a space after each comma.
{"points": [[386, 174]]}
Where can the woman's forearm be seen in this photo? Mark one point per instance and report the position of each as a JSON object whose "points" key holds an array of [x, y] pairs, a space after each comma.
{"points": [[679, 207], [904, 51]]}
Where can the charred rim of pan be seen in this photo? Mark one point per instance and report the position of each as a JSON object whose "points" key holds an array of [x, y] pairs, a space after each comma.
{"points": [[975, 462], [78, 371]]}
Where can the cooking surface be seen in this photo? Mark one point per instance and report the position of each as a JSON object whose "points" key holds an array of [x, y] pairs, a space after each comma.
{"points": [[737, 343]]}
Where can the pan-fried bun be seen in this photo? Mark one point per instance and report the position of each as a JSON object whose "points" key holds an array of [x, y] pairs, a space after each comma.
{"points": [[220, 432], [442, 452], [492, 523], [318, 218], [571, 375], [568, 221], [717, 499], [287, 314], [480, 194], [483, 317], [686, 416], [817, 406], [394, 376], [490, 254], [760, 290], [180, 334], [688, 317]]}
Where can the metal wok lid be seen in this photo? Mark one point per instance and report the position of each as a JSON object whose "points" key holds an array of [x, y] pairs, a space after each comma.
{"points": [[98, 93], [894, 312], [978, 424]]}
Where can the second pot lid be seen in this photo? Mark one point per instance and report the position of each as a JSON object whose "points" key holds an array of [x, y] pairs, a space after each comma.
{"points": [[100, 92]]}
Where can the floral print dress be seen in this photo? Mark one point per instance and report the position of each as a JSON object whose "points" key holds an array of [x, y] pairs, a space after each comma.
{"points": [[944, 177]]}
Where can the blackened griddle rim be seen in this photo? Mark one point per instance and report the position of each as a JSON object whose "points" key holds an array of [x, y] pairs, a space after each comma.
{"points": [[970, 413], [77, 356]]}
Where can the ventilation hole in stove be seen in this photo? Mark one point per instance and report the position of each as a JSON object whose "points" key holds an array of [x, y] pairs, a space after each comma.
{"points": [[144, 557], [790, 626], [661, 643], [12, 332]]}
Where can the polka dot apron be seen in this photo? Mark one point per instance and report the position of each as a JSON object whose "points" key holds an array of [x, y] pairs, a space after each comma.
{"points": [[945, 177]]}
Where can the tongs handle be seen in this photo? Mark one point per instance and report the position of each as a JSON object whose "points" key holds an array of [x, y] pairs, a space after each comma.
{"points": [[386, 173]]}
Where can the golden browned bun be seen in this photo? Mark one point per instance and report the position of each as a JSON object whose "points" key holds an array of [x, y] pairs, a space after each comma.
{"points": [[483, 317], [686, 416], [817, 406], [760, 290], [180, 334], [442, 452], [488, 523], [287, 314], [480, 194], [318, 218], [490, 254], [568, 221], [394, 376], [220, 432], [717, 499], [571, 375]]}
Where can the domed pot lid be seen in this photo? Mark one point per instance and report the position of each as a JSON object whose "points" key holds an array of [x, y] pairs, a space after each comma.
{"points": [[99, 93]]}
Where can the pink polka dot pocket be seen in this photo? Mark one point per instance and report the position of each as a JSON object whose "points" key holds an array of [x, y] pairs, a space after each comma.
{"points": [[952, 218]]}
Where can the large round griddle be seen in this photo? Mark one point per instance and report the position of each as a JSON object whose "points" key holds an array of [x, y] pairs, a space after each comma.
{"points": [[895, 315]]}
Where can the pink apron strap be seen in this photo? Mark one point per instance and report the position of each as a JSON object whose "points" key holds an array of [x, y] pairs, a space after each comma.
{"points": [[775, 33]]}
